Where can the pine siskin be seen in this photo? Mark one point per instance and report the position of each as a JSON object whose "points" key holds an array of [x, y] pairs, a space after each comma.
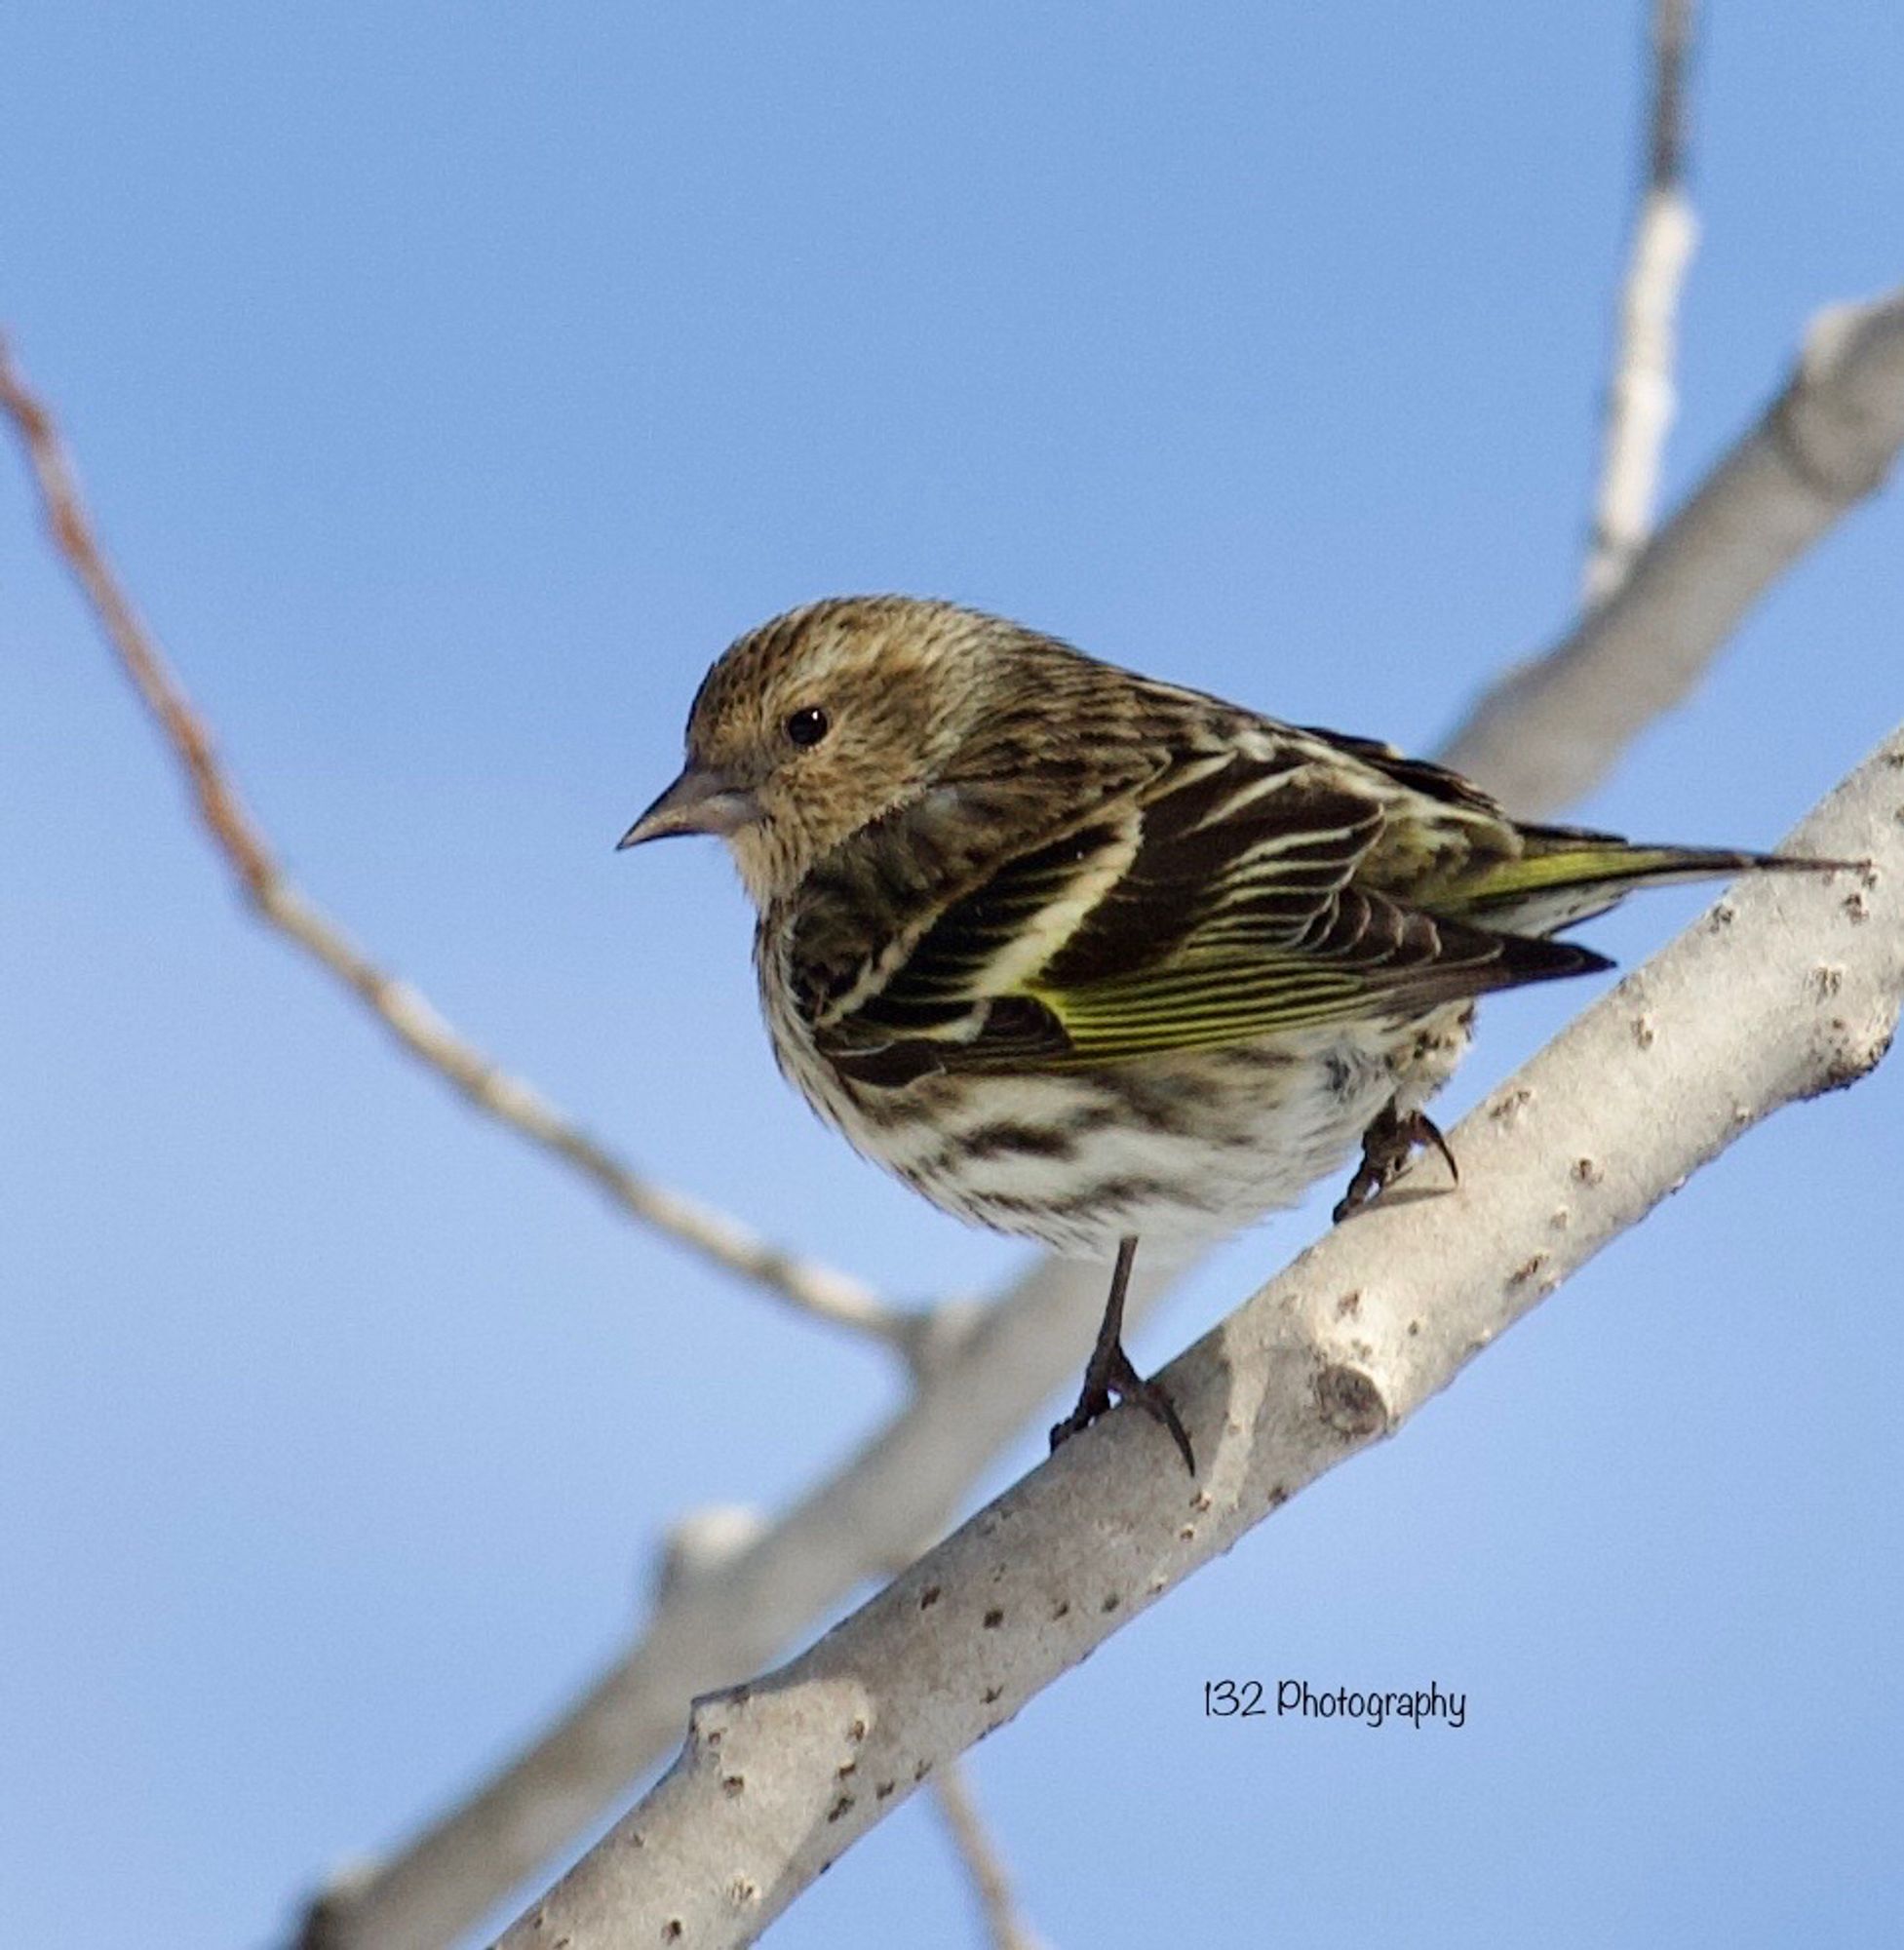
{"points": [[1085, 956]]}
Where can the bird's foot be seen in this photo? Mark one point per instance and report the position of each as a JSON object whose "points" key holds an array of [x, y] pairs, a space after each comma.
{"points": [[1111, 1376], [1387, 1145]]}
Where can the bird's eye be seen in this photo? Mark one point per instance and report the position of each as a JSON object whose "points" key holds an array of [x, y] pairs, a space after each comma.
{"points": [[808, 725]]}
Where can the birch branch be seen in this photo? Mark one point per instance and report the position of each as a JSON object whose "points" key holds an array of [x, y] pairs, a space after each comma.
{"points": [[1789, 987], [913, 1475], [1551, 728], [805, 1284], [1641, 401]]}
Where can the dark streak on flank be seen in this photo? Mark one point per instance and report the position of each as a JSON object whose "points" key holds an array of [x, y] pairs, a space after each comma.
{"points": [[1108, 1191]]}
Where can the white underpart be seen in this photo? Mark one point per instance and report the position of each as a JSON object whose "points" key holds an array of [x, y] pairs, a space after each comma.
{"points": [[1246, 1141]]}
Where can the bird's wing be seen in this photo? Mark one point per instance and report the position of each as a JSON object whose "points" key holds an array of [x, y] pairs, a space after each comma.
{"points": [[1229, 898], [1450, 848]]}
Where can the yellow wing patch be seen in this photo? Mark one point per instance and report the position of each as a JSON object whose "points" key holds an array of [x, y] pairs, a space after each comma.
{"points": [[1200, 1008]]}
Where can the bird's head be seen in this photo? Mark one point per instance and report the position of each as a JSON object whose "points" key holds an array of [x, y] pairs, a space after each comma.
{"points": [[826, 718]]}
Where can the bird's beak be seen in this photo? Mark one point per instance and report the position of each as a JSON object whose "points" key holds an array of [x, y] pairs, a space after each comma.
{"points": [[696, 802]]}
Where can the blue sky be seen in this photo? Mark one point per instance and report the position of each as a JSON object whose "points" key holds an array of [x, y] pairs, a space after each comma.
{"points": [[452, 385]]}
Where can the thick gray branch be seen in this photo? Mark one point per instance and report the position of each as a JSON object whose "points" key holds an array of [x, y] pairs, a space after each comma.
{"points": [[1788, 988]]}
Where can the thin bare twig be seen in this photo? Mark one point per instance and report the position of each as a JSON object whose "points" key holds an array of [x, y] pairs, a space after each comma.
{"points": [[1641, 401], [814, 1289], [982, 1861]]}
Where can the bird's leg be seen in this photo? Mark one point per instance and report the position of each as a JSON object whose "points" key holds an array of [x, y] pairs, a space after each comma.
{"points": [[1388, 1145], [1110, 1372]]}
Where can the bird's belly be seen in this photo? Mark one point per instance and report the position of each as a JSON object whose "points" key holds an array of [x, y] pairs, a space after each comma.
{"points": [[1181, 1147]]}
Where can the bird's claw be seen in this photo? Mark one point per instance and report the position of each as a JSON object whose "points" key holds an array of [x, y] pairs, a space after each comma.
{"points": [[1117, 1378], [1387, 1145]]}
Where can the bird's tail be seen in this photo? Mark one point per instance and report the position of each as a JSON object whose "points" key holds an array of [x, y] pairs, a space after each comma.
{"points": [[1565, 877]]}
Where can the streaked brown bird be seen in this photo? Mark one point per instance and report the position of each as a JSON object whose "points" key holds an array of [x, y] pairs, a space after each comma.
{"points": [[1089, 957]]}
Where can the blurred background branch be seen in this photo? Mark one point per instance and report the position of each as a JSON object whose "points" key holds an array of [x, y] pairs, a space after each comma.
{"points": [[977, 1853], [1553, 729], [1641, 395]]}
